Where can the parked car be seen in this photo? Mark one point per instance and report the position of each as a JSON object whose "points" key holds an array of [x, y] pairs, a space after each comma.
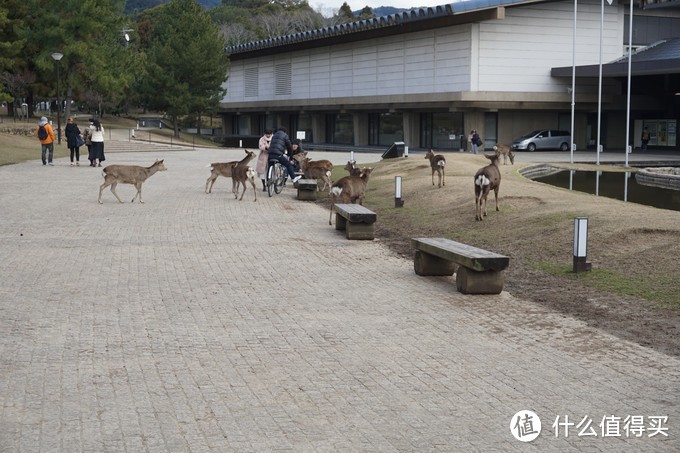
{"points": [[543, 139]]}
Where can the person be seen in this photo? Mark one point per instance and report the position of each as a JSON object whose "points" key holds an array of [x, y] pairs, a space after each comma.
{"points": [[263, 157], [87, 136], [72, 133], [645, 138], [469, 140], [475, 141], [295, 148], [97, 139], [47, 143], [278, 147]]}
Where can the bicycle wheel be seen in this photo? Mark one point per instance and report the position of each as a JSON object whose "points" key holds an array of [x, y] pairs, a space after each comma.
{"points": [[280, 176], [271, 178]]}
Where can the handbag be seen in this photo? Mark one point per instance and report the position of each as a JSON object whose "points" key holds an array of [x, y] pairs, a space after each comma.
{"points": [[79, 141]]}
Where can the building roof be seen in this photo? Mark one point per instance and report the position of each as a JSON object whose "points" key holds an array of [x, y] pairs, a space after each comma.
{"points": [[412, 20], [662, 57]]}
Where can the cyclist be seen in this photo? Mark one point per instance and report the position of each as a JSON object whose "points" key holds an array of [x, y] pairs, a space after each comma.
{"points": [[279, 145]]}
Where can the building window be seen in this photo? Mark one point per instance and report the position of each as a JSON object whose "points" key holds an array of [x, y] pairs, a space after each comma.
{"points": [[250, 82], [385, 128], [282, 79], [442, 130], [340, 129]]}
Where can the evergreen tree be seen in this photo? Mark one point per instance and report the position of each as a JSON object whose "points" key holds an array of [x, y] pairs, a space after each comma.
{"points": [[345, 13], [186, 64]]}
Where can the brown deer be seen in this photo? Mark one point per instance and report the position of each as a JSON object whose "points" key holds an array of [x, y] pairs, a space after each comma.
{"points": [[349, 189], [128, 174], [317, 170], [486, 179], [225, 169], [506, 152], [437, 162], [241, 174], [352, 168]]}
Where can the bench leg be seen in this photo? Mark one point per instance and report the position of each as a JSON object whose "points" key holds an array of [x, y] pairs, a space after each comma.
{"points": [[340, 222], [359, 230], [426, 264], [469, 281], [307, 195]]}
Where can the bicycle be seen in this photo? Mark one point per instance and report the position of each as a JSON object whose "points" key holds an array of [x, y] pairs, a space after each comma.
{"points": [[276, 175]]}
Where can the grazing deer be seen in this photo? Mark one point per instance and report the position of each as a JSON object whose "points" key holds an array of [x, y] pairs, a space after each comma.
{"points": [[317, 170], [225, 169], [349, 189], [437, 162], [506, 152], [128, 174], [239, 175], [486, 178], [352, 168]]}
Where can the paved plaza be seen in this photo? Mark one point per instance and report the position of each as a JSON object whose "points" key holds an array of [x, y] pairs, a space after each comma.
{"points": [[198, 323]]}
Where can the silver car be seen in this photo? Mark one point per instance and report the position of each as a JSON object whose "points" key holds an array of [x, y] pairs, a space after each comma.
{"points": [[543, 139]]}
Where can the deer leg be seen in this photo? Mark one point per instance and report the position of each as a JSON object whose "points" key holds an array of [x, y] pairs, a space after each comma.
{"points": [[433, 176], [138, 186], [252, 183], [113, 191], [496, 194], [101, 188], [211, 181], [330, 216], [443, 177]]}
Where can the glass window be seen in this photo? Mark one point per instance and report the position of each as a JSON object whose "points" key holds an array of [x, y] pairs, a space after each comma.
{"points": [[442, 130], [340, 129], [385, 128]]}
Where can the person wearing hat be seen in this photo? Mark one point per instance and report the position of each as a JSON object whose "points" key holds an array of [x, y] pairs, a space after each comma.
{"points": [[72, 134], [45, 134]]}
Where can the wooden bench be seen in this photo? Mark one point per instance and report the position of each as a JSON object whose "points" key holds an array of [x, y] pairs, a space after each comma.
{"points": [[306, 189], [357, 221], [479, 271]]}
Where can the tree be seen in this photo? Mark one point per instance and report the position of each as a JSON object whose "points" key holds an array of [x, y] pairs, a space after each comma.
{"points": [[366, 13], [345, 13], [186, 64]]}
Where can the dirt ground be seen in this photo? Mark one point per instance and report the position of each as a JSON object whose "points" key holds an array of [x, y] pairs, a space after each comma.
{"points": [[633, 291]]}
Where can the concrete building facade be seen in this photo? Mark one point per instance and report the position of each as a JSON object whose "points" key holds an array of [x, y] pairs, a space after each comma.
{"points": [[429, 76]]}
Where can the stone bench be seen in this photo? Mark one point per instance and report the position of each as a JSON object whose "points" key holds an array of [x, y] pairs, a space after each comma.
{"points": [[357, 221], [306, 189], [479, 271]]}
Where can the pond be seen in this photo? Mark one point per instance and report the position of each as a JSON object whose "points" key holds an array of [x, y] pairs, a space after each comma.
{"points": [[619, 185]]}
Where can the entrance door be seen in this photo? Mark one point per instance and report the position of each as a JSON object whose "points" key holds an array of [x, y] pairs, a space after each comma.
{"points": [[490, 138]]}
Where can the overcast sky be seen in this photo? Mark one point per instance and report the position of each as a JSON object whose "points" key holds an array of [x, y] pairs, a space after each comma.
{"points": [[359, 4]]}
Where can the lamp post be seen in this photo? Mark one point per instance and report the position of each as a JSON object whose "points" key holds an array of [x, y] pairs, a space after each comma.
{"points": [[57, 56]]}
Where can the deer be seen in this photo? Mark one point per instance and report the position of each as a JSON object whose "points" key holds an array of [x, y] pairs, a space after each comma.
{"points": [[128, 174], [437, 162], [486, 179], [349, 189], [240, 174], [352, 168], [317, 170], [506, 152], [225, 169]]}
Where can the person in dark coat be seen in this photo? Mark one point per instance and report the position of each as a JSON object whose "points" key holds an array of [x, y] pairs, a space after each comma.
{"points": [[278, 147], [72, 133]]}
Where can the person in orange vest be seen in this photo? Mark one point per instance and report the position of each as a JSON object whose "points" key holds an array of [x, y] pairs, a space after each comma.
{"points": [[45, 134]]}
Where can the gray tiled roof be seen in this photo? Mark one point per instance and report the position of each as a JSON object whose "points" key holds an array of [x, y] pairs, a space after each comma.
{"points": [[383, 22]]}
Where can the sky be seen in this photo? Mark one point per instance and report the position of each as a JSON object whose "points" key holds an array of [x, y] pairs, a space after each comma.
{"points": [[359, 4]]}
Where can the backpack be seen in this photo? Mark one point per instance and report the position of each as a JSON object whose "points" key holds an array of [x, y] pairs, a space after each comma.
{"points": [[42, 133]]}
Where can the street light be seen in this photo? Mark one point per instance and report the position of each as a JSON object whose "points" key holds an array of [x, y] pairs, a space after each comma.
{"points": [[57, 56]]}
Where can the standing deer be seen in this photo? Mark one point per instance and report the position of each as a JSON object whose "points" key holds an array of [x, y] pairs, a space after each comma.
{"points": [[241, 174], [437, 162], [486, 178], [349, 189], [128, 174], [225, 169], [352, 168], [506, 152], [317, 170]]}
